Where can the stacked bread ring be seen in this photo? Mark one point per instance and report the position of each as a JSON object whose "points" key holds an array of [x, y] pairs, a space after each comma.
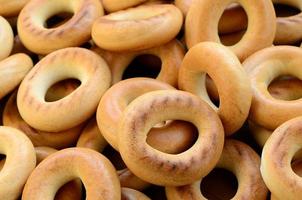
{"points": [[147, 99]]}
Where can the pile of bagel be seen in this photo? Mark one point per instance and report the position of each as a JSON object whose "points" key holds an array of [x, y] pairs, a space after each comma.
{"points": [[227, 94]]}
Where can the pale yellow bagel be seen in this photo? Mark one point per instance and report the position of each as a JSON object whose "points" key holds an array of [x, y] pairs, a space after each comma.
{"points": [[68, 164], [287, 89], [20, 162], [6, 37], [91, 137], [233, 18], [225, 69], [262, 68], [276, 159], [116, 100], [63, 114], [12, 71], [76, 31], [116, 5], [71, 190], [171, 55], [238, 158], [201, 25], [133, 29], [130, 194], [158, 167], [11, 8], [58, 140]]}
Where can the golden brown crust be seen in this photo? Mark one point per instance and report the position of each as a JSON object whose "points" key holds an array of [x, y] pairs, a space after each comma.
{"points": [[19, 163], [12, 71], [91, 137], [74, 32], [58, 140], [130, 194], [262, 68], [68, 164], [201, 25], [78, 63], [277, 155], [11, 8], [238, 158], [116, 5], [6, 38], [225, 69], [133, 29], [161, 168], [171, 55]]}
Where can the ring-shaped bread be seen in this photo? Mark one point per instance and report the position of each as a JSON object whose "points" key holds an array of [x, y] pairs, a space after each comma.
{"points": [[201, 25], [226, 71], [170, 54], [20, 162], [158, 167], [116, 100], [42, 40], [133, 29], [78, 63], [68, 164], [6, 38], [233, 18], [262, 68], [276, 159], [243, 162], [59, 140]]}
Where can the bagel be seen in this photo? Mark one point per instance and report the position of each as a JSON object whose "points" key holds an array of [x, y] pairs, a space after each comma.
{"points": [[11, 8], [71, 190], [116, 5], [262, 68], [129, 30], [91, 137], [226, 71], [233, 18], [201, 25], [238, 158], [276, 159], [63, 114], [67, 164], [116, 100], [171, 55], [76, 31], [20, 162], [58, 140], [158, 167], [6, 37], [12, 70]]}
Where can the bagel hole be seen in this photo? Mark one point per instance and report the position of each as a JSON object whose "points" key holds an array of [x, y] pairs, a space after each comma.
{"points": [[58, 19], [73, 188], [232, 24], [212, 91], [172, 137], [283, 10], [219, 184], [2, 161], [61, 89], [146, 65], [286, 88], [115, 157], [296, 163]]}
